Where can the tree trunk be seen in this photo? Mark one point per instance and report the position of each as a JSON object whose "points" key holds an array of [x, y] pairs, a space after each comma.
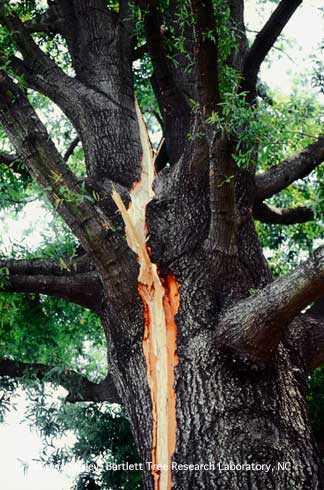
{"points": [[244, 421], [228, 411], [208, 373]]}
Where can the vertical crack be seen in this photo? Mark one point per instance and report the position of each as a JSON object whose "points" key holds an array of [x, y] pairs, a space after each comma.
{"points": [[160, 297]]}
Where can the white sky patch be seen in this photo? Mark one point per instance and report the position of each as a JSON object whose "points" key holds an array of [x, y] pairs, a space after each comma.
{"points": [[27, 229], [305, 31], [19, 451]]}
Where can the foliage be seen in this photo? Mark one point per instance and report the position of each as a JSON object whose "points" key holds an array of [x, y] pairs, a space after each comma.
{"points": [[101, 436], [315, 402], [318, 77], [293, 123], [48, 330]]}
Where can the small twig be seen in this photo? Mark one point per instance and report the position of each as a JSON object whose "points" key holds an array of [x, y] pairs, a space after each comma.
{"points": [[74, 143]]}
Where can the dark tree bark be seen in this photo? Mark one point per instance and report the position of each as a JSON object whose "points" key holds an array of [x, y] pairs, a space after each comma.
{"points": [[72, 280], [282, 216], [208, 354]]}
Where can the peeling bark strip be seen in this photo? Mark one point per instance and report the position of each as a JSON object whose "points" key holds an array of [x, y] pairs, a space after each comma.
{"points": [[161, 301]]}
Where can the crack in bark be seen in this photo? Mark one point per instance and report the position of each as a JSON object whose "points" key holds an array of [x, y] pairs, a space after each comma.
{"points": [[161, 300]]}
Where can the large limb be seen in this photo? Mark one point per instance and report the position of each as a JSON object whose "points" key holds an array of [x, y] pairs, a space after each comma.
{"points": [[12, 161], [102, 106], [237, 16], [224, 219], [206, 50], [79, 388], [173, 104], [264, 42], [114, 262], [74, 280], [33, 145], [282, 216], [285, 173], [257, 324], [40, 72], [99, 101], [91, 31]]}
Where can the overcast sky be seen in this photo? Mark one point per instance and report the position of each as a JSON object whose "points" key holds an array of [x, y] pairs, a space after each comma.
{"points": [[17, 442]]}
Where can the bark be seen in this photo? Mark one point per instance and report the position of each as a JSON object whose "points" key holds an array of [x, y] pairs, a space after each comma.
{"points": [[224, 219], [228, 409], [237, 16], [86, 219], [206, 44], [72, 280], [174, 106], [255, 325], [38, 70], [282, 216], [100, 96], [98, 39]]}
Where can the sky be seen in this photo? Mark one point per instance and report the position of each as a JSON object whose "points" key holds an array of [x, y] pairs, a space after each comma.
{"points": [[18, 443], [304, 33], [20, 446]]}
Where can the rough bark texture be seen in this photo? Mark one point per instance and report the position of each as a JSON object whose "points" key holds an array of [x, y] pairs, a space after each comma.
{"points": [[242, 347], [230, 407]]}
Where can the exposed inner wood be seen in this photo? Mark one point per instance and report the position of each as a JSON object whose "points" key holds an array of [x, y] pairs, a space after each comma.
{"points": [[161, 301]]}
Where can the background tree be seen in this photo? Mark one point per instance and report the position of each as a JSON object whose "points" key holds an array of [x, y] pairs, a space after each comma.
{"points": [[208, 353]]}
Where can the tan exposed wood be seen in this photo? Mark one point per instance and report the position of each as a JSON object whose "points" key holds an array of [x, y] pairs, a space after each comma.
{"points": [[160, 307]]}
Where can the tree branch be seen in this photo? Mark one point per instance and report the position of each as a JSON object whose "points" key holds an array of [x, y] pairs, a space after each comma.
{"points": [[69, 279], [46, 22], [264, 42], [206, 55], [12, 161], [156, 47], [69, 152], [296, 167], [79, 388], [256, 325], [102, 87], [77, 265], [237, 16], [40, 72], [282, 216], [174, 107], [91, 31], [33, 145]]}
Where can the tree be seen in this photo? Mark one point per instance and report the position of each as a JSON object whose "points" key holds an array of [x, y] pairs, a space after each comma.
{"points": [[208, 353]]}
